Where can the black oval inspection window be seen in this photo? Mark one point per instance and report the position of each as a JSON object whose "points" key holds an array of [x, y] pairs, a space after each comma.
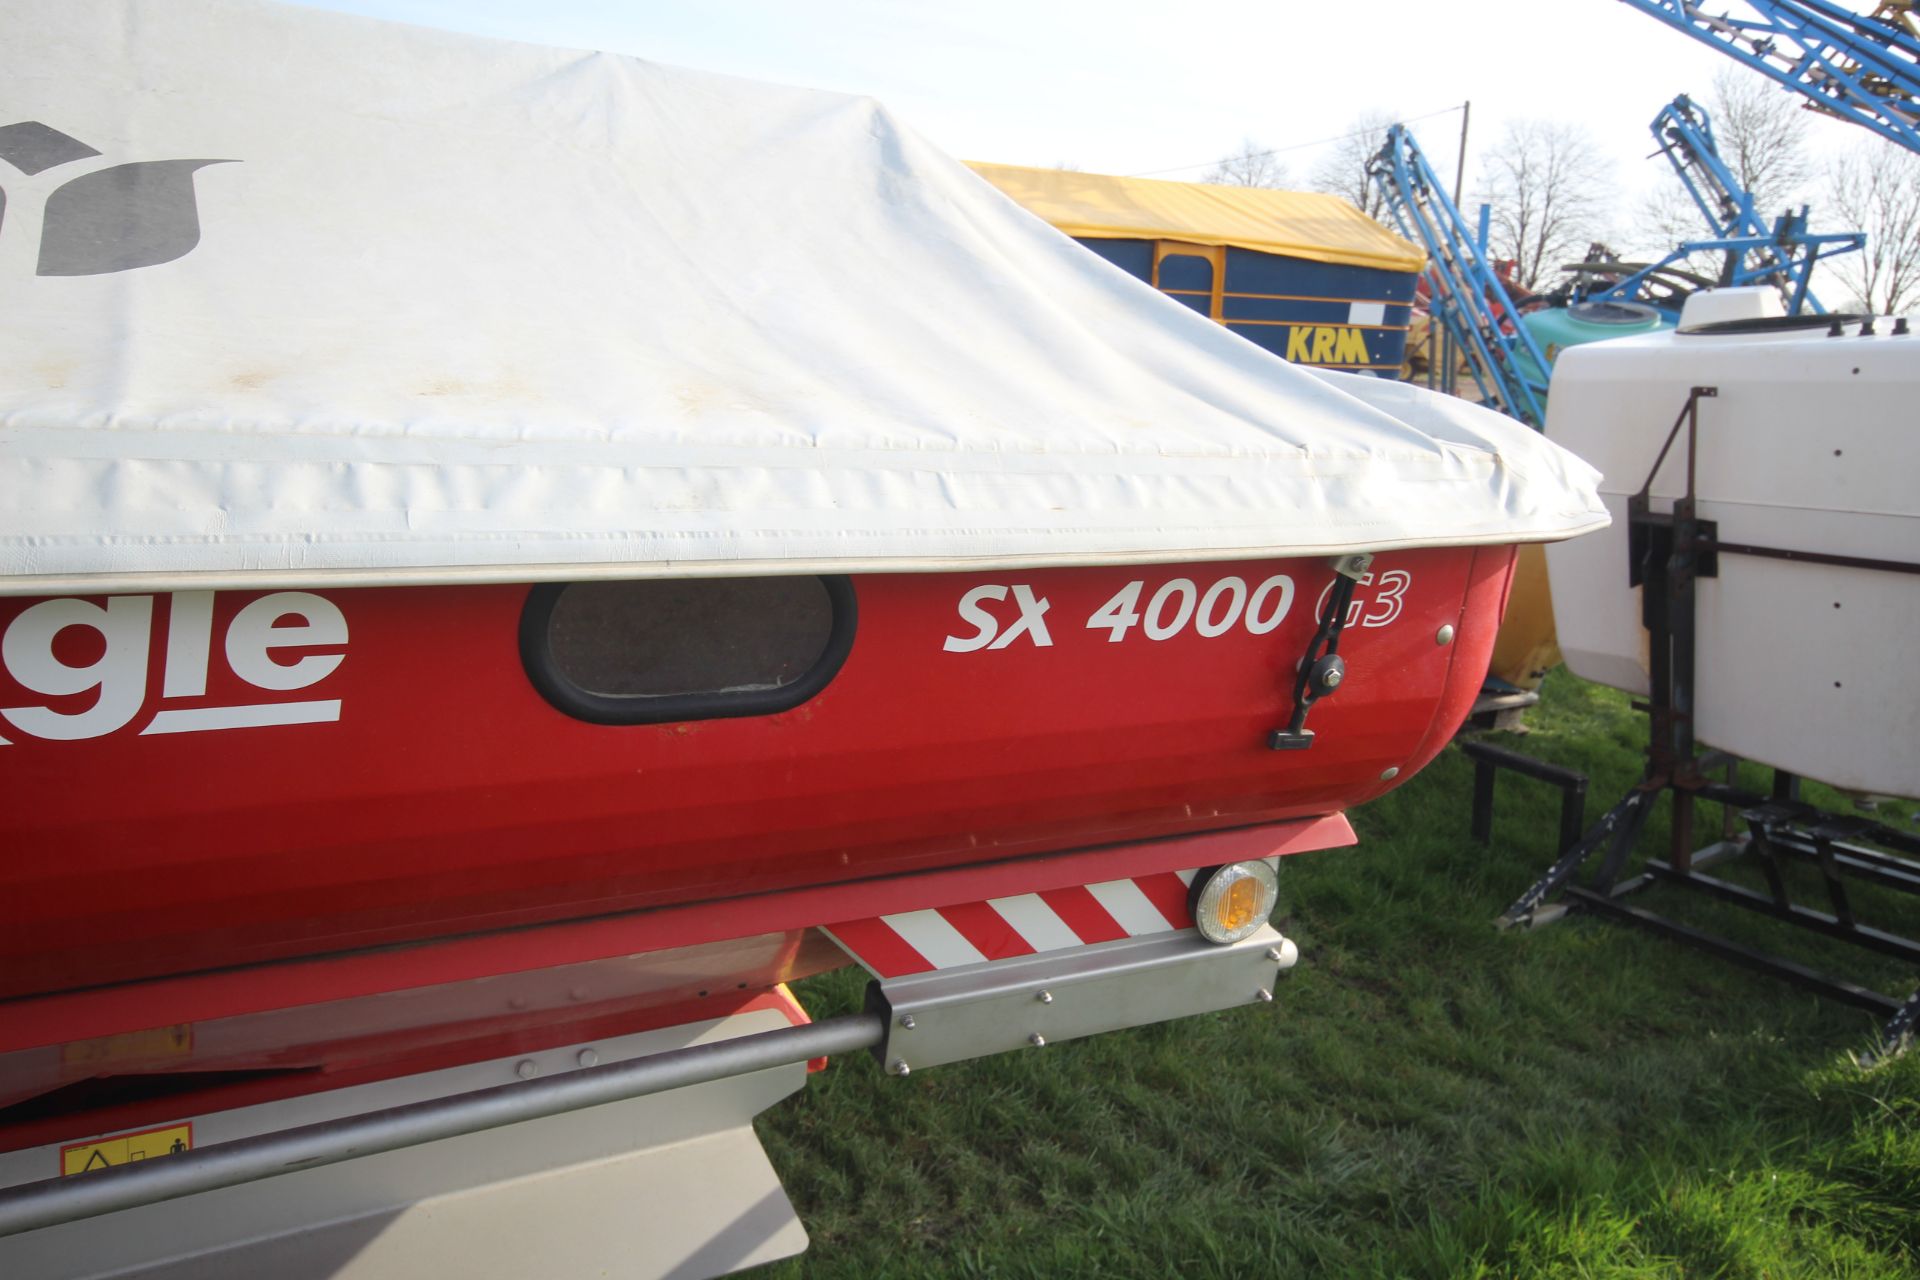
{"points": [[643, 652]]}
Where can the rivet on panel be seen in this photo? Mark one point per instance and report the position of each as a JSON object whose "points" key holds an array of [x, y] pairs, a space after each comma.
{"points": [[899, 1067], [526, 1069], [1265, 996], [1444, 635], [1045, 997], [906, 1022], [1037, 1040], [588, 1057], [1389, 774]]}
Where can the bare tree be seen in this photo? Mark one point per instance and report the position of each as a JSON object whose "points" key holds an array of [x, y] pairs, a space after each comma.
{"points": [[1877, 190], [1548, 188], [1342, 171], [1761, 133], [1251, 166], [1666, 218]]}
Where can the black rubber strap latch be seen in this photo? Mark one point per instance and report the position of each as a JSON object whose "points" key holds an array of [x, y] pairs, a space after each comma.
{"points": [[1322, 669]]}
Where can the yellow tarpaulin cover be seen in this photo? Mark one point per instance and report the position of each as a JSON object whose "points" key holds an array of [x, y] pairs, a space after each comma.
{"points": [[1300, 224]]}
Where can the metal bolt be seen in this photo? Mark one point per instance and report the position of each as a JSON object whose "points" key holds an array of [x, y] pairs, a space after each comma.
{"points": [[1037, 1040], [1389, 774], [1266, 996], [1333, 677], [1273, 954], [906, 1022], [526, 1069], [587, 1058], [899, 1067], [1444, 635], [1045, 997]]}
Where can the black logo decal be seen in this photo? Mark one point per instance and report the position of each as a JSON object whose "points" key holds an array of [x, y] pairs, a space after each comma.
{"points": [[114, 219]]}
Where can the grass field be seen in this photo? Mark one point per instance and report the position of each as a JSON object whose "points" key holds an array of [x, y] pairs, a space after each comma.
{"points": [[1427, 1097]]}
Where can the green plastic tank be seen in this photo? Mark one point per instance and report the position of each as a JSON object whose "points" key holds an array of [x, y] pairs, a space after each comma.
{"points": [[1558, 328]]}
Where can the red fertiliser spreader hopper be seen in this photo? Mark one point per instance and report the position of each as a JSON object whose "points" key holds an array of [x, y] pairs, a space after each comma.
{"points": [[509, 557]]}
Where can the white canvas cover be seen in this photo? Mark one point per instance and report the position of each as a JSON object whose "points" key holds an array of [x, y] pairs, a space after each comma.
{"points": [[295, 296]]}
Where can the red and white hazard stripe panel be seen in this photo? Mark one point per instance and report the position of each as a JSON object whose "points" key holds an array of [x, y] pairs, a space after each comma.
{"points": [[1001, 928]]}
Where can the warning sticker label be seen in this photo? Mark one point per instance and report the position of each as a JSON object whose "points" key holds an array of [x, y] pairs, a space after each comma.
{"points": [[124, 1148]]}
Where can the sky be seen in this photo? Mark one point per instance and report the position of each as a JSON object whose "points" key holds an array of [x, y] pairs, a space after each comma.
{"points": [[1139, 88]]}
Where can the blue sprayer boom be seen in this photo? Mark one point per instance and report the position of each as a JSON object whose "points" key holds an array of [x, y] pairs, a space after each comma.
{"points": [[1862, 67], [1464, 292], [1467, 297], [1781, 253]]}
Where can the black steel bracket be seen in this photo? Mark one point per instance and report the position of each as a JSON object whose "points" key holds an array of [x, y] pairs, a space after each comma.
{"points": [[1321, 669]]}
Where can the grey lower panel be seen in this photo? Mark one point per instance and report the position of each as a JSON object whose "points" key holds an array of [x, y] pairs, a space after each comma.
{"points": [[670, 1185], [697, 1209], [1032, 1001]]}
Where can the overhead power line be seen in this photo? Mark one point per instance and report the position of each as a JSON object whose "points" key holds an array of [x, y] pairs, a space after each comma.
{"points": [[1292, 146]]}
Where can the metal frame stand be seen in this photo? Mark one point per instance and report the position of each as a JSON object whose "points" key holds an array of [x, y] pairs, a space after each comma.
{"points": [[1670, 552], [1489, 759]]}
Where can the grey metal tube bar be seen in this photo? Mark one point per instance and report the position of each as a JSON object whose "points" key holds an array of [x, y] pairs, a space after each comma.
{"points": [[56, 1200]]}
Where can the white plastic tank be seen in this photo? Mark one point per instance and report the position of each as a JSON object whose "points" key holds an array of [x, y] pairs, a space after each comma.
{"points": [[1812, 444]]}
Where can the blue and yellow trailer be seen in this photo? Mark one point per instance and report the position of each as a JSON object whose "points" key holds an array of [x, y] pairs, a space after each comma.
{"points": [[1307, 276]]}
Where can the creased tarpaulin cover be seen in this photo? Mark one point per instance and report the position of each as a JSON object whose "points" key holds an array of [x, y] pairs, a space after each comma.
{"points": [[409, 306], [1299, 224]]}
